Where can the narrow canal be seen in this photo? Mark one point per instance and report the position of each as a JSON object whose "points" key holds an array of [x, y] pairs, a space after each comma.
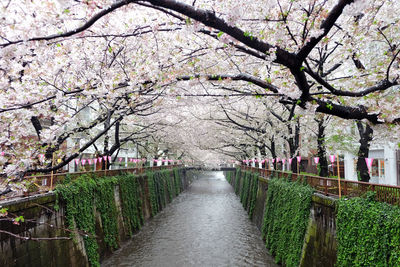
{"points": [[204, 226]]}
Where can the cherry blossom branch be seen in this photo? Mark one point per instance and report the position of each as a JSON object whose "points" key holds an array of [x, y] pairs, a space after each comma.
{"points": [[82, 28], [29, 105], [35, 238], [238, 77], [326, 26], [346, 112], [381, 86], [210, 19]]}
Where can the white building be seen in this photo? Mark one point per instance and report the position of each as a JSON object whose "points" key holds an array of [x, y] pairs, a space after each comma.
{"points": [[384, 166]]}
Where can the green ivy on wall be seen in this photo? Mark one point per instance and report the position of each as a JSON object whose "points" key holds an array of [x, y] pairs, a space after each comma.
{"points": [[177, 181], [286, 215], [237, 180], [253, 193], [105, 205], [88, 195], [131, 200], [244, 192], [79, 204], [170, 188], [229, 175], [368, 233], [248, 192]]}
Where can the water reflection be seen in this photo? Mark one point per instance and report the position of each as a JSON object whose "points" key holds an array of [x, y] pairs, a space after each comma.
{"points": [[204, 226]]}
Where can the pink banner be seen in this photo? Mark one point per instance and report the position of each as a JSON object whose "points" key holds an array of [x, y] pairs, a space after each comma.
{"points": [[369, 163], [109, 158], [263, 161], [316, 160], [290, 161], [256, 160], [77, 161], [100, 159], [120, 159], [283, 161], [2, 153], [95, 160], [332, 158], [277, 160], [83, 161], [273, 160], [105, 158], [90, 161], [298, 159]]}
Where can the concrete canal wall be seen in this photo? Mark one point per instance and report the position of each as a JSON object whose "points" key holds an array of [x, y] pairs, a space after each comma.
{"points": [[45, 217], [320, 244]]}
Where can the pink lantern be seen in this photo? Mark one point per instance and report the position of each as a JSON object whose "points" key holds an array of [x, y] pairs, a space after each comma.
{"points": [[109, 158], [298, 159], [83, 161], [316, 160], [290, 161], [369, 163], [332, 158]]}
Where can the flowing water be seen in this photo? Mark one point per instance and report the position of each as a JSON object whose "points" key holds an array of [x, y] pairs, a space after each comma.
{"points": [[204, 226]]}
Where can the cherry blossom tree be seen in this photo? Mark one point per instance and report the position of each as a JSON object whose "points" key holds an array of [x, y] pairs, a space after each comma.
{"points": [[57, 58]]}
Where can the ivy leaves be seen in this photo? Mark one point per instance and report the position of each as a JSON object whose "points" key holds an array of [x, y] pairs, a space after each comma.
{"points": [[286, 215], [368, 233]]}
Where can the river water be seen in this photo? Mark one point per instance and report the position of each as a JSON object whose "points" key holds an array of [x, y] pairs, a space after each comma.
{"points": [[204, 226]]}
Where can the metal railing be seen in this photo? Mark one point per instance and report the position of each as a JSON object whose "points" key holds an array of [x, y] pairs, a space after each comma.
{"points": [[330, 186], [46, 182]]}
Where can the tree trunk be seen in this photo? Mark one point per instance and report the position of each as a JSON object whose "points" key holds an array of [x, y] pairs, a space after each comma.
{"points": [[323, 162], [294, 145], [365, 139]]}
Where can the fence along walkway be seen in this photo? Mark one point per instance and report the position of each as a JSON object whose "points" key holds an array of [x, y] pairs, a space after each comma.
{"points": [[44, 183], [330, 186]]}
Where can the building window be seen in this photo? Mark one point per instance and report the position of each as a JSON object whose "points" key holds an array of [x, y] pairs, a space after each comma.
{"points": [[378, 168]]}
